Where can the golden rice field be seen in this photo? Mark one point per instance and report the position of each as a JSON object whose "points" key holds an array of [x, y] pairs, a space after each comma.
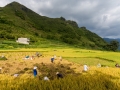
{"points": [[102, 78]]}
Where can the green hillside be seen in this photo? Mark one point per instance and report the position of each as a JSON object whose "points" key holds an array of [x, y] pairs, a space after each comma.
{"points": [[17, 21]]}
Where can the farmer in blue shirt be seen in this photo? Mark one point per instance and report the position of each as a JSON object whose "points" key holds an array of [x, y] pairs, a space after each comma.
{"points": [[52, 59], [35, 71]]}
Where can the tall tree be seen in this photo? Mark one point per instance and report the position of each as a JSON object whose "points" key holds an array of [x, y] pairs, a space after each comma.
{"points": [[114, 45]]}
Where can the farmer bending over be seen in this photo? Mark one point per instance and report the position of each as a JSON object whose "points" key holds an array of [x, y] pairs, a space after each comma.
{"points": [[59, 75]]}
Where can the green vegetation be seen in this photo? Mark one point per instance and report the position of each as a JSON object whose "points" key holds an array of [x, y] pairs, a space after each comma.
{"points": [[113, 45], [17, 21]]}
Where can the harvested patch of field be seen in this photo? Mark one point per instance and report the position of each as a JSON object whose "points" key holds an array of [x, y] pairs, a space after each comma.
{"points": [[17, 64]]}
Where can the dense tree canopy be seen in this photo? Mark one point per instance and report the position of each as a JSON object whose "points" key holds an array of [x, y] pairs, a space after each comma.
{"points": [[113, 45]]}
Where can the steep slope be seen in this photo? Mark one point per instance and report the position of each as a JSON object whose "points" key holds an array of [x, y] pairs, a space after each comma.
{"points": [[17, 20]]}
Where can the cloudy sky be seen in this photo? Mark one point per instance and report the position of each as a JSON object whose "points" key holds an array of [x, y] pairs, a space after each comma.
{"points": [[99, 16]]}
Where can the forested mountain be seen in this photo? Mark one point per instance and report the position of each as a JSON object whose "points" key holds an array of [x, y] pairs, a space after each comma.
{"points": [[17, 21]]}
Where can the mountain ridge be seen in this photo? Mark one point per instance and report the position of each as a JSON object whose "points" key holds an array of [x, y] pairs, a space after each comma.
{"points": [[111, 39], [23, 22]]}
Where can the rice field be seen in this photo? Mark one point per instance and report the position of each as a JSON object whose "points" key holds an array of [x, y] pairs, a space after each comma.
{"points": [[103, 78]]}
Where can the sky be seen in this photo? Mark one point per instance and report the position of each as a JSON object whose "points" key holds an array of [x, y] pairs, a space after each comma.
{"points": [[99, 16]]}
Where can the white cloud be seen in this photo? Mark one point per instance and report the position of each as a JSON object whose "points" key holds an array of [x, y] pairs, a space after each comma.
{"points": [[99, 16]]}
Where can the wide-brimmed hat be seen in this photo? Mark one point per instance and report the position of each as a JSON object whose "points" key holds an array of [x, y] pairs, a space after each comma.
{"points": [[57, 72], [35, 67]]}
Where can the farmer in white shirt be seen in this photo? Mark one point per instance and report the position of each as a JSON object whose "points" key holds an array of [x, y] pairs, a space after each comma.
{"points": [[46, 78], [85, 67]]}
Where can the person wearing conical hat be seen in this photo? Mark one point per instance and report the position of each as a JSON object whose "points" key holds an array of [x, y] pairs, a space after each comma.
{"points": [[59, 75], [46, 78], [52, 59], [35, 71], [85, 67]]}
